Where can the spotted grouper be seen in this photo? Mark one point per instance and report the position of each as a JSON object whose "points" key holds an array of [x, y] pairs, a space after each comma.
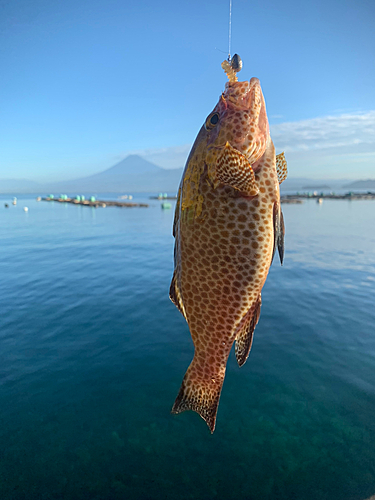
{"points": [[228, 222]]}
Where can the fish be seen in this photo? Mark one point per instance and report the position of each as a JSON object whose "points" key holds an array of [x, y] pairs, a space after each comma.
{"points": [[227, 225]]}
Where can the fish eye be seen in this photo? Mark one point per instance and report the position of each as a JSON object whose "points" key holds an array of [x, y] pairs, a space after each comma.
{"points": [[212, 121]]}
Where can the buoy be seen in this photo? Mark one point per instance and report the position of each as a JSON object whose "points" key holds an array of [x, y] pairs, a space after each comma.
{"points": [[166, 205], [6, 205], [25, 209]]}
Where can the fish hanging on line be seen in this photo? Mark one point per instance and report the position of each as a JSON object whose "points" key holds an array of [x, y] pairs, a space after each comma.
{"points": [[227, 225]]}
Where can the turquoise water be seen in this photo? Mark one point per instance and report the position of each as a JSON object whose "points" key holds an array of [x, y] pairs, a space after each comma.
{"points": [[92, 354]]}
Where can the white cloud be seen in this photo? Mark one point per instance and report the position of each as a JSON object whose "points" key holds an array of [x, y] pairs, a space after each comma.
{"points": [[325, 132], [340, 146]]}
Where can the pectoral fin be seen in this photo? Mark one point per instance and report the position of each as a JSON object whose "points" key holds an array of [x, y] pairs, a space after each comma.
{"points": [[233, 169], [281, 167], [279, 231], [244, 337]]}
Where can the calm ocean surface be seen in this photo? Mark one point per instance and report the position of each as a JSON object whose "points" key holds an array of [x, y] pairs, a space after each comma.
{"points": [[92, 354]]}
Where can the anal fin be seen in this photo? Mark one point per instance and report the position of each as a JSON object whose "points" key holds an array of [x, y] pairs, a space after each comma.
{"points": [[234, 169], [281, 167], [244, 337]]}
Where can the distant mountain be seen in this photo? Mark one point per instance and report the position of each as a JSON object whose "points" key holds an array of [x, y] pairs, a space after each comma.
{"points": [[132, 164], [128, 169], [367, 184], [133, 174]]}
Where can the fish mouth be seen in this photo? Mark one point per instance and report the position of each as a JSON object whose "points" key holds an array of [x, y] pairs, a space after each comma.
{"points": [[245, 96], [257, 105]]}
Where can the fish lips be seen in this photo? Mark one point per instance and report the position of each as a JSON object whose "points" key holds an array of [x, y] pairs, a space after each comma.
{"points": [[244, 96]]}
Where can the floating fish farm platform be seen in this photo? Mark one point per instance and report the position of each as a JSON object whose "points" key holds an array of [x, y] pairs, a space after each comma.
{"points": [[292, 201], [165, 197], [93, 202]]}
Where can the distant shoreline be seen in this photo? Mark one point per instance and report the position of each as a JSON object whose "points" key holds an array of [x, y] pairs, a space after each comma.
{"points": [[297, 198]]}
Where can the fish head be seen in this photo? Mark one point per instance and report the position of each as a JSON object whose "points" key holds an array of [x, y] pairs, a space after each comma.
{"points": [[240, 119], [229, 146]]}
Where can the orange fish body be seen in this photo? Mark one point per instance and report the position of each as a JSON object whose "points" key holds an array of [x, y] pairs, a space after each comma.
{"points": [[227, 224]]}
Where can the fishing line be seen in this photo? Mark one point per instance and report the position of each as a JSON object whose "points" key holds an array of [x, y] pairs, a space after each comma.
{"points": [[230, 28]]}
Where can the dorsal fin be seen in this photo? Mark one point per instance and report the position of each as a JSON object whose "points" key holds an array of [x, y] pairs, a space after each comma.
{"points": [[244, 337], [281, 167]]}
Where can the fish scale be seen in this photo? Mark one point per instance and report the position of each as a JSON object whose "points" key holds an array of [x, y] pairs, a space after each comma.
{"points": [[227, 224]]}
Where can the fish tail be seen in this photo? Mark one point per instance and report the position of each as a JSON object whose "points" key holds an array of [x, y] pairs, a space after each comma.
{"points": [[200, 393]]}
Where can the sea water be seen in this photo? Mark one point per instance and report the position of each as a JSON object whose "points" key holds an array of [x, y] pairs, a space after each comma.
{"points": [[92, 354]]}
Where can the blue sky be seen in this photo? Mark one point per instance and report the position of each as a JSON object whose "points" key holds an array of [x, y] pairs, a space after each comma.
{"points": [[86, 82]]}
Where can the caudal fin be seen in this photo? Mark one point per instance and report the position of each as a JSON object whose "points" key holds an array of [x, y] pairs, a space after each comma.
{"points": [[201, 395]]}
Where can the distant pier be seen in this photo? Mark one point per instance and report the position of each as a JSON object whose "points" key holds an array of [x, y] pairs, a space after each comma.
{"points": [[93, 202]]}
